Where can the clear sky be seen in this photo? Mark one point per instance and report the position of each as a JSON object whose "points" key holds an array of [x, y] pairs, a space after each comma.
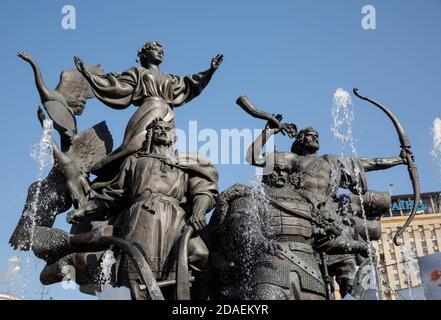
{"points": [[289, 57]]}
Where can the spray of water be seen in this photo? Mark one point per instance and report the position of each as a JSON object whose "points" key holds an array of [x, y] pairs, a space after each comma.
{"points": [[111, 293], [11, 275], [410, 266], [436, 147], [343, 117], [107, 262], [260, 206], [248, 255], [107, 291], [41, 152], [16, 278], [254, 221]]}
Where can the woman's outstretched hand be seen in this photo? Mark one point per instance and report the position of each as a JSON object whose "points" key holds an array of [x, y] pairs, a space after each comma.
{"points": [[81, 67], [216, 61]]}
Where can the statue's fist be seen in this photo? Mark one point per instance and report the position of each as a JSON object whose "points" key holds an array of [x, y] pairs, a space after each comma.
{"points": [[275, 125], [403, 155], [197, 220], [363, 250]]}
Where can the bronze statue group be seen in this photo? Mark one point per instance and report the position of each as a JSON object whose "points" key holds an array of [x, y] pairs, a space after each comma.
{"points": [[286, 238]]}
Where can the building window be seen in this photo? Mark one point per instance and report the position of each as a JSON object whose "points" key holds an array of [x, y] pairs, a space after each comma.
{"points": [[382, 257], [393, 256], [421, 230], [396, 213]]}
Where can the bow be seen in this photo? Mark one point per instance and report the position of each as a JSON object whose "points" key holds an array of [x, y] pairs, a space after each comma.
{"points": [[411, 167]]}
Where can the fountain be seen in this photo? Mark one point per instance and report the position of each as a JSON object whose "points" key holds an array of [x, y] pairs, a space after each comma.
{"points": [[343, 117], [255, 214], [410, 267], [12, 275], [107, 291], [18, 272], [267, 237], [436, 145]]}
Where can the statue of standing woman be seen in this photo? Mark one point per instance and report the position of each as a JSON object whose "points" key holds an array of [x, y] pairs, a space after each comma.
{"points": [[155, 93]]}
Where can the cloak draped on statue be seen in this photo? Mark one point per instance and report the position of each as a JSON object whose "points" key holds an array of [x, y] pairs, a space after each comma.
{"points": [[152, 196], [155, 93]]}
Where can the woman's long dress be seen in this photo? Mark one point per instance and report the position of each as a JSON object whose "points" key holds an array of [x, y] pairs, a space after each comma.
{"points": [[155, 93]]}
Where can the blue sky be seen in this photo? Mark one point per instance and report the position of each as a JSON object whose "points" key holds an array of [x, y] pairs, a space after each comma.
{"points": [[289, 57]]}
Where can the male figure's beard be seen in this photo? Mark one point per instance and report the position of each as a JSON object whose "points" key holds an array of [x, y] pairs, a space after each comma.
{"points": [[311, 148], [277, 182], [164, 141]]}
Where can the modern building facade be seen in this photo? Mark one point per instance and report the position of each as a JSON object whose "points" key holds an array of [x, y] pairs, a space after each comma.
{"points": [[398, 266]]}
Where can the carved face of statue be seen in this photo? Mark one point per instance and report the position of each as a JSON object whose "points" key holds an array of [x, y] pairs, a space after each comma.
{"points": [[163, 133], [152, 52], [279, 176], [307, 142], [311, 140]]}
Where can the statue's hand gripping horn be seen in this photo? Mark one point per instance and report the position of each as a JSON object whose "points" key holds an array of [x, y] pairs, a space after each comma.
{"points": [[245, 103], [411, 167]]}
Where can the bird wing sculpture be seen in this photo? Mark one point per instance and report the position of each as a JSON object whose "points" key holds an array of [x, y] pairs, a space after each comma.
{"points": [[88, 148], [63, 120], [72, 83], [91, 146], [67, 100], [65, 185], [67, 181]]}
